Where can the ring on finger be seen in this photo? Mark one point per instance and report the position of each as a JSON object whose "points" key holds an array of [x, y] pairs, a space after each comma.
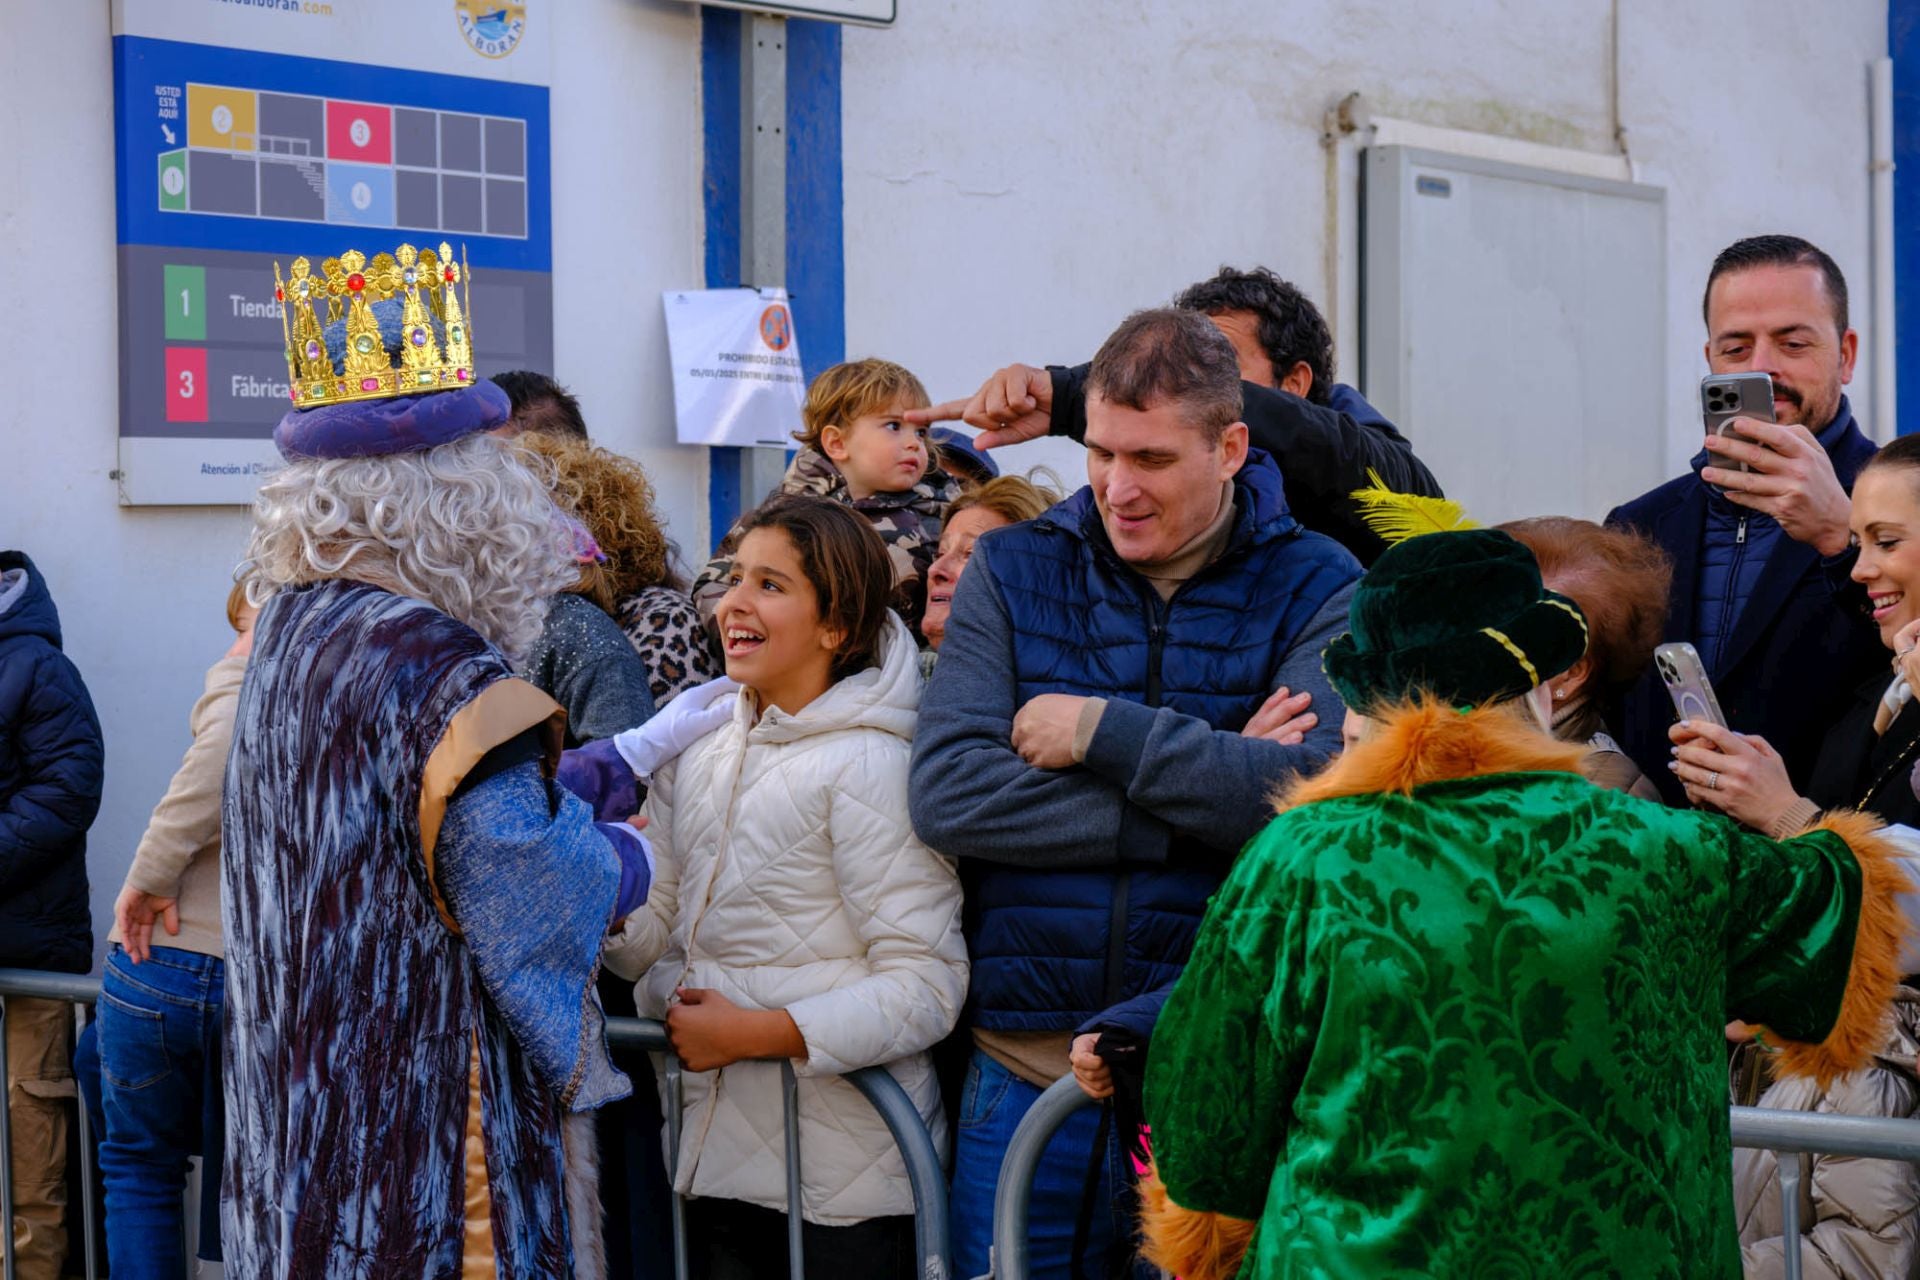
{"points": [[1713, 781]]}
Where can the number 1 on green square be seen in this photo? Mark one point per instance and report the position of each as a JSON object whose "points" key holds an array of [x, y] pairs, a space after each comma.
{"points": [[186, 289]]}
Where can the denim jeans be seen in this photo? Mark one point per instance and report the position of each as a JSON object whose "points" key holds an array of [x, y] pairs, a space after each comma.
{"points": [[160, 1097], [991, 1105]]}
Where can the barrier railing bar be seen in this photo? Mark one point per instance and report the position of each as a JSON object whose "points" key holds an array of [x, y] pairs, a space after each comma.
{"points": [[925, 1174], [676, 1091], [6, 1151], [1782, 1132], [1007, 1256], [1875, 1137], [790, 1121], [86, 1152], [74, 988], [1787, 1165]]}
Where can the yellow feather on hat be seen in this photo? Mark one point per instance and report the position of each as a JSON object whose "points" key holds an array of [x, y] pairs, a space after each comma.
{"points": [[1399, 516]]}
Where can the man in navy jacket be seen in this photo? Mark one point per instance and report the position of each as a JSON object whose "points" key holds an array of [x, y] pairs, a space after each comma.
{"points": [[1753, 565], [50, 772], [1113, 707]]}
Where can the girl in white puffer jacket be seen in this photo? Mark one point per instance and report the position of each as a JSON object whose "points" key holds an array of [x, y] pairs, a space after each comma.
{"points": [[793, 912]]}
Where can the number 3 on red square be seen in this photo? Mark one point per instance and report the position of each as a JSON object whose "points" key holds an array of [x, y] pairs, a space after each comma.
{"points": [[186, 384]]}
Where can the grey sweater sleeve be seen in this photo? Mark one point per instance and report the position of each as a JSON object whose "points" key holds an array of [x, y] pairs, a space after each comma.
{"points": [[970, 793], [586, 663], [1213, 784]]}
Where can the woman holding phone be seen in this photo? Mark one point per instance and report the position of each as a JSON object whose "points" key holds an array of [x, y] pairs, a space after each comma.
{"points": [[1865, 1214], [1867, 759]]}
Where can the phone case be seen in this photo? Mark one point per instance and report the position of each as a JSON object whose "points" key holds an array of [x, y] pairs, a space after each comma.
{"points": [[1726, 396], [1686, 679]]}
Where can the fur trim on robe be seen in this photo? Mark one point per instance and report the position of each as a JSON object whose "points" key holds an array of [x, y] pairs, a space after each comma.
{"points": [[1861, 1027]]}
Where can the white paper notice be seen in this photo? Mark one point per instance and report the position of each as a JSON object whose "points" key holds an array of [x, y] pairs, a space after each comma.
{"points": [[736, 366]]}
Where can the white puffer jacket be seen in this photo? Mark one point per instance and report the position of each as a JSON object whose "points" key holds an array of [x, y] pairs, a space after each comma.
{"points": [[788, 877]]}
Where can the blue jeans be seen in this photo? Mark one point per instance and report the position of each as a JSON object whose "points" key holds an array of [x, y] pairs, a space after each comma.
{"points": [[160, 1098], [991, 1105]]}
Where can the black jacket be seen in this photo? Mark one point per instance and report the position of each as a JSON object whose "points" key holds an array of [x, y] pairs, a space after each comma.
{"points": [[1858, 769], [50, 769], [1324, 455], [1796, 653]]}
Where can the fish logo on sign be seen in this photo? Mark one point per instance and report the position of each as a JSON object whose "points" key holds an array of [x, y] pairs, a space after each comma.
{"points": [[493, 30], [776, 327]]}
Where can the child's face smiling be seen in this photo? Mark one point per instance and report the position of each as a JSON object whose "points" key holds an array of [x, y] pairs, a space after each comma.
{"points": [[878, 452], [770, 624]]}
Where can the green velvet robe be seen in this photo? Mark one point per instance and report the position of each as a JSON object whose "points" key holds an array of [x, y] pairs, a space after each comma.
{"points": [[1469, 1021]]}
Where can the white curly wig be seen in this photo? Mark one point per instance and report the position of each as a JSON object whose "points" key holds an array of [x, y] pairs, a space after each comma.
{"points": [[468, 526]]}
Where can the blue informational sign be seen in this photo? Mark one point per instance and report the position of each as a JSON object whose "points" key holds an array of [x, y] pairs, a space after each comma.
{"points": [[230, 160]]}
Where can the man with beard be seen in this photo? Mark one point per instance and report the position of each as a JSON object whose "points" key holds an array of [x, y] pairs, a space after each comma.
{"points": [[413, 910], [1758, 554]]}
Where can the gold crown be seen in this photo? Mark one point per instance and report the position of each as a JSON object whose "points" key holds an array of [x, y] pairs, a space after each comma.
{"points": [[429, 285]]}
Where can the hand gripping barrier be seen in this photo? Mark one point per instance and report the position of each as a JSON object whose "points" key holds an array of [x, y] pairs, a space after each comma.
{"points": [[1785, 1133], [924, 1171]]}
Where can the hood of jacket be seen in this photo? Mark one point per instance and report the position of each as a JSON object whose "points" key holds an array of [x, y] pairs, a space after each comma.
{"points": [[1260, 509], [884, 697], [813, 472], [1344, 399], [26, 609]]}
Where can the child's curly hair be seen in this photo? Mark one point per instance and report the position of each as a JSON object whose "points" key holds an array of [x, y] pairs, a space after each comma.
{"points": [[847, 390], [613, 498]]}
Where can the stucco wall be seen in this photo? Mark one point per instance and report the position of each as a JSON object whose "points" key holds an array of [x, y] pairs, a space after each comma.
{"points": [[1020, 176]]}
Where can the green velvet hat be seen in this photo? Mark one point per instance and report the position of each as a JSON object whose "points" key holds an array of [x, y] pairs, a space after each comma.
{"points": [[1461, 616]]}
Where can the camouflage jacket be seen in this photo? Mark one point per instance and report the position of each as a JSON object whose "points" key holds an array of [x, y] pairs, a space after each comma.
{"points": [[908, 522]]}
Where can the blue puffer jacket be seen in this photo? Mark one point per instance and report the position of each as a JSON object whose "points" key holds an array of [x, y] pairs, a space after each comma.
{"points": [[1733, 556], [1057, 949], [50, 771]]}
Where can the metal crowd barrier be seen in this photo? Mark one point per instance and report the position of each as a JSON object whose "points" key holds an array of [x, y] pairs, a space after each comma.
{"points": [[924, 1171], [1785, 1133], [925, 1174]]}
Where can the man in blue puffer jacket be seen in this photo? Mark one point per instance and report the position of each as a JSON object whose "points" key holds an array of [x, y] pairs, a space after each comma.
{"points": [[1116, 699], [50, 767]]}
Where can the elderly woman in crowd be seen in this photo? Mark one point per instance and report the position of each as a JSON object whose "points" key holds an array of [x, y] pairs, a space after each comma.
{"points": [[1444, 1015], [992, 504], [1619, 579]]}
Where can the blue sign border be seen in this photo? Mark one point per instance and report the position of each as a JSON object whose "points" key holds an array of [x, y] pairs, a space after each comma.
{"points": [[139, 63]]}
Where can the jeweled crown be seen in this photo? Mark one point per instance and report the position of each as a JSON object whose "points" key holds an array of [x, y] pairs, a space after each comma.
{"points": [[436, 346]]}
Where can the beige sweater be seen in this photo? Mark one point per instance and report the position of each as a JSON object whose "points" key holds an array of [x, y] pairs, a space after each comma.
{"points": [[179, 856]]}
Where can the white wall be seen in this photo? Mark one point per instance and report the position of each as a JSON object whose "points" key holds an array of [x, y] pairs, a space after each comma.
{"points": [[140, 590], [1019, 176]]}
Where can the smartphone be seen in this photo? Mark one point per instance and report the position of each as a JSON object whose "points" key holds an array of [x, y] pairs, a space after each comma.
{"points": [[1726, 396], [1686, 680]]}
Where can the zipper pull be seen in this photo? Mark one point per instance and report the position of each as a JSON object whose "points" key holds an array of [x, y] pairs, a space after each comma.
{"points": [[1740, 534]]}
